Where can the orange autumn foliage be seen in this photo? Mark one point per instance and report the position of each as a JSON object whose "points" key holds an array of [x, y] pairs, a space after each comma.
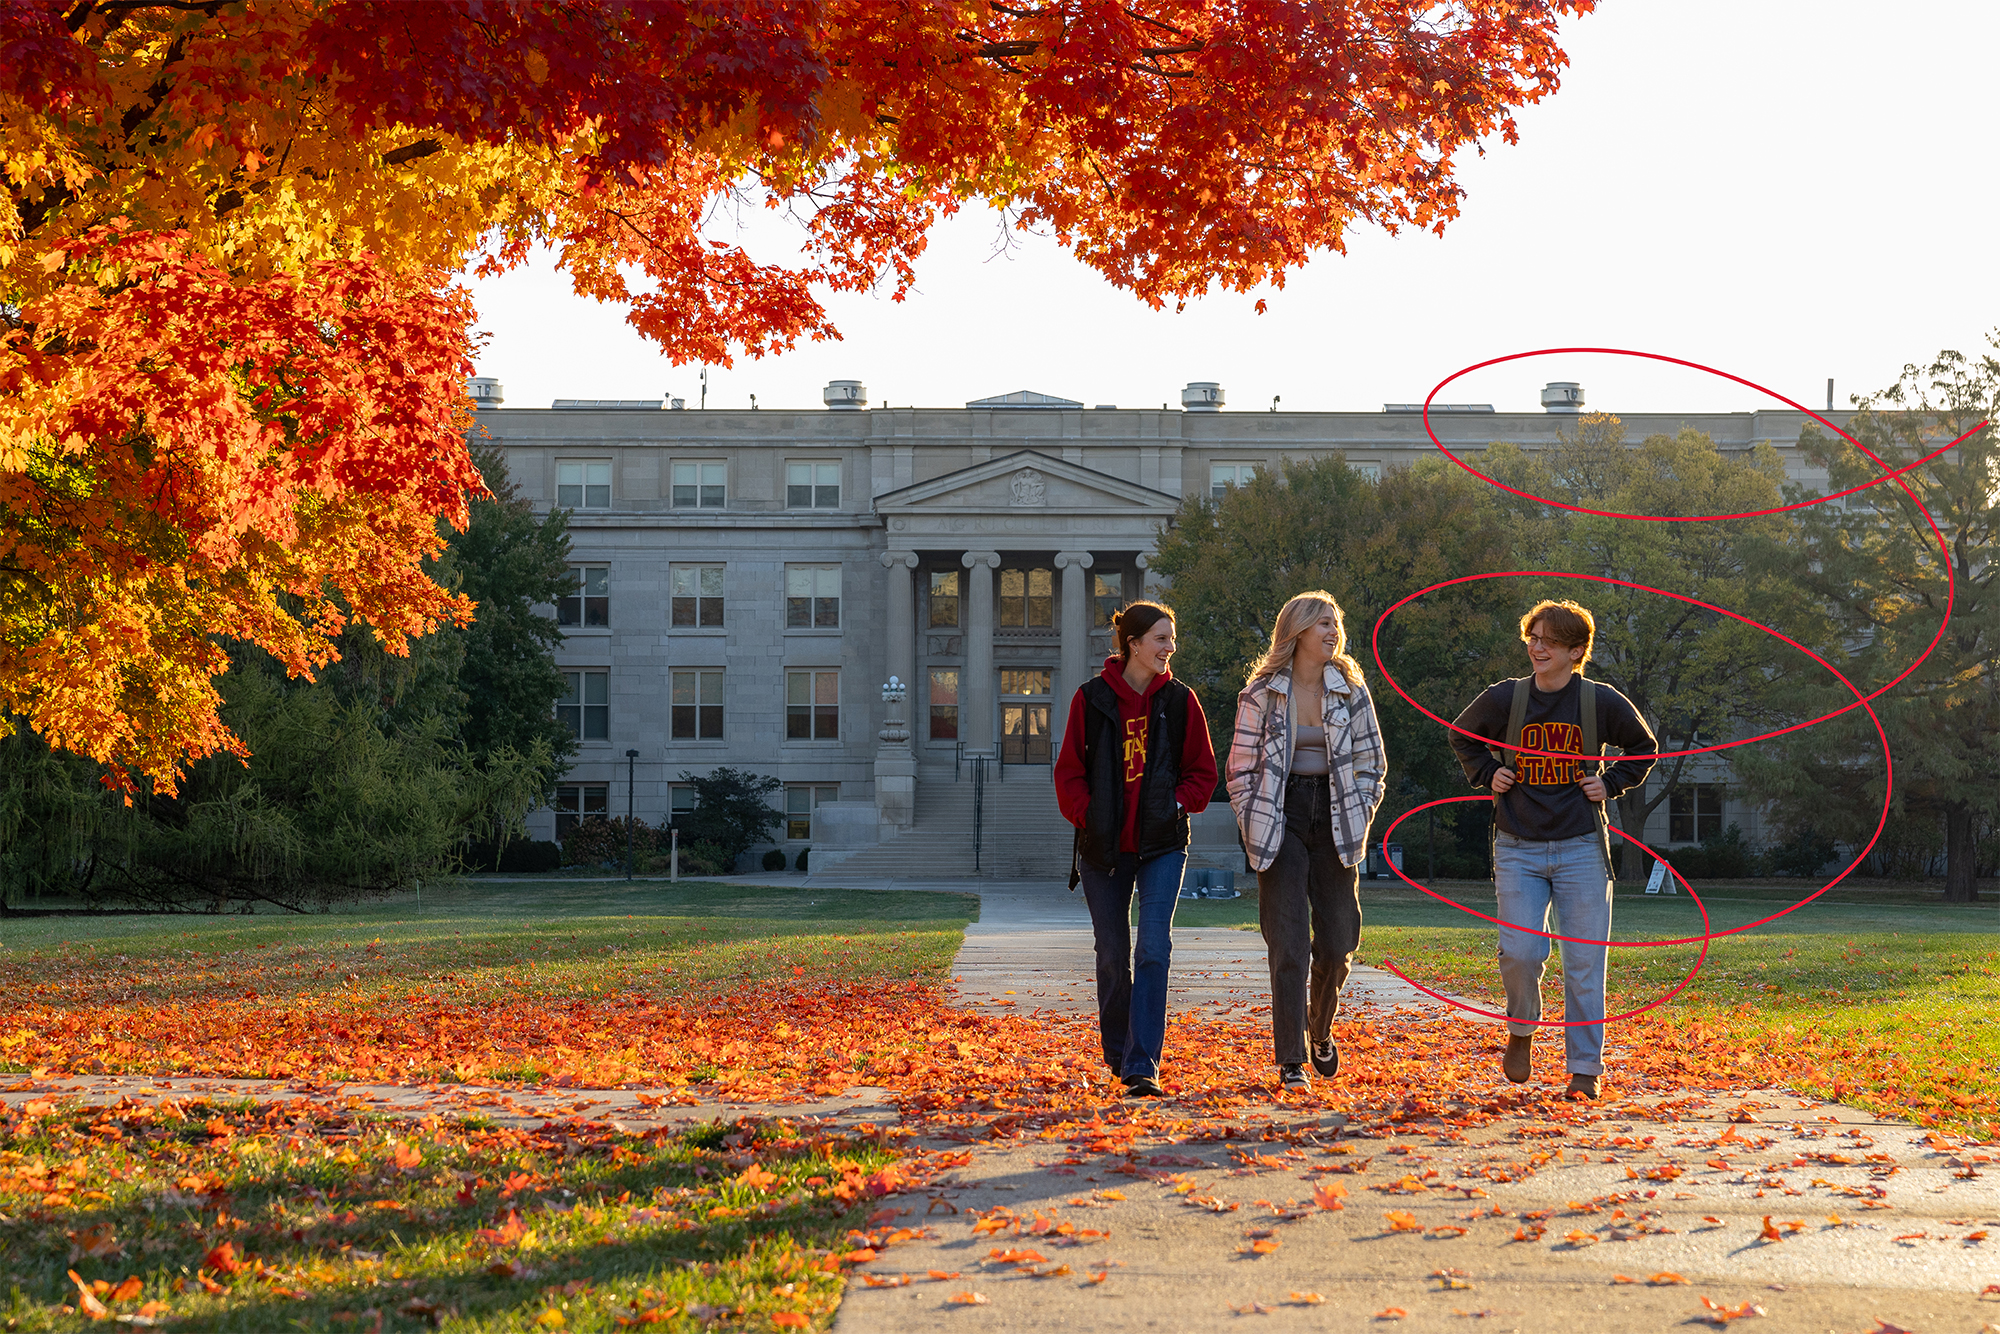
{"points": [[939, 1061], [231, 353]]}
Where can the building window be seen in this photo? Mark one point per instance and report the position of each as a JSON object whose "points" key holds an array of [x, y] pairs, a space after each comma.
{"points": [[800, 800], [700, 486], [1027, 598], [697, 706], [585, 707], [696, 592], [577, 802], [589, 600], [1694, 812], [682, 798], [812, 597], [1109, 595], [944, 704], [812, 706], [583, 486], [1371, 471], [1222, 476], [944, 599], [812, 486]]}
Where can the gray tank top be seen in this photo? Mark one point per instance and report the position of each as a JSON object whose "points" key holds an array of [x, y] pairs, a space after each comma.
{"points": [[1309, 751]]}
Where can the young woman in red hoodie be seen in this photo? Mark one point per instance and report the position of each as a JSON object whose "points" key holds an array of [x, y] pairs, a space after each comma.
{"points": [[1135, 764]]}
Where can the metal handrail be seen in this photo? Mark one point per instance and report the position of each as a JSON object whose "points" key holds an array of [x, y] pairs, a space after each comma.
{"points": [[978, 809]]}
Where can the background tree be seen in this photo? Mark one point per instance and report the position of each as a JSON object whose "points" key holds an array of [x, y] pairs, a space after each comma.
{"points": [[376, 773], [507, 561], [732, 812], [1696, 677], [1874, 561], [1320, 524], [230, 350]]}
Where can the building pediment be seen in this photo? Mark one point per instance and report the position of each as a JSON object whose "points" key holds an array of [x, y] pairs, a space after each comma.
{"points": [[1025, 484], [1024, 398]]}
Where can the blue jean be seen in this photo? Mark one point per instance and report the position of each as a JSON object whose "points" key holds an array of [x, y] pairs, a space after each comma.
{"points": [[1132, 988], [1528, 876]]}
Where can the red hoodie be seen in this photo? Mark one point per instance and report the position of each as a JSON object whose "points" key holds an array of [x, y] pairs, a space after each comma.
{"points": [[1197, 783]]}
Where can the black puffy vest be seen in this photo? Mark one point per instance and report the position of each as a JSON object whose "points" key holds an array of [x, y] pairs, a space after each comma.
{"points": [[1162, 826]]}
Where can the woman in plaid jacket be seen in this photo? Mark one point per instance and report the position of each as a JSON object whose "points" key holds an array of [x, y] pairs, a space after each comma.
{"points": [[1306, 769]]}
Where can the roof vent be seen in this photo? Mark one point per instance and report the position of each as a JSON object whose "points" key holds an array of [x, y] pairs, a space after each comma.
{"points": [[485, 391], [845, 395], [1562, 396], [1202, 396]]}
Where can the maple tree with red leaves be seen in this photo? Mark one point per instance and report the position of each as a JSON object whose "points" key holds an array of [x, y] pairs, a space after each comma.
{"points": [[232, 351]]}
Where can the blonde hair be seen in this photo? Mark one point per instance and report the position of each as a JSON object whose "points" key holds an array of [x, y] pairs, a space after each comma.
{"points": [[1294, 619]]}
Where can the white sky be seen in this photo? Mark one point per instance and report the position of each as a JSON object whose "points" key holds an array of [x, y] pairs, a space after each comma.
{"points": [[1786, 190]]}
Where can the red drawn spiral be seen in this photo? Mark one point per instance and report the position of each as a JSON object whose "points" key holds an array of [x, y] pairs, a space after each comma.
{"points": [[1861, 701]]}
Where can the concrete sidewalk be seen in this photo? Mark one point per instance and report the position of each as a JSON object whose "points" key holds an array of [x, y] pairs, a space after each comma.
{"points": [[1627, 1224], [1032, 948]]}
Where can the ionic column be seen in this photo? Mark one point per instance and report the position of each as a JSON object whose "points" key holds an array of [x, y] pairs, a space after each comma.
{"points": [[902, 643], [976, 690], [1076, 664], [895, 762]]}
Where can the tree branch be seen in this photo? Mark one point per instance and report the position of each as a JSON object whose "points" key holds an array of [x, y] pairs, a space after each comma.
{"points": [[422, 148]]}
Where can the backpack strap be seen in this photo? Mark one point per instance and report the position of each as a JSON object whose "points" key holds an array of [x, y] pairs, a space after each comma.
{"points": [[1517, 720], [1587, 719]]}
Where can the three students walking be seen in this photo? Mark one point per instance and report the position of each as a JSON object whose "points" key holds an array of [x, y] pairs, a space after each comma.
{"points": [[1306, 772]]}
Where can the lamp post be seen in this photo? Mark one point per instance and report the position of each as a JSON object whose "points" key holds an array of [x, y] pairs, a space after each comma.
{"points": [[631, 764], [893, 694]]}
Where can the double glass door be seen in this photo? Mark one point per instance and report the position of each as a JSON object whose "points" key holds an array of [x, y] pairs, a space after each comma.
{"points": [[1024, 715]]}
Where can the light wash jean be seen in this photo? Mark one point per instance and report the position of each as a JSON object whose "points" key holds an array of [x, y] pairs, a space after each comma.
{"points": [[1529, 875]]}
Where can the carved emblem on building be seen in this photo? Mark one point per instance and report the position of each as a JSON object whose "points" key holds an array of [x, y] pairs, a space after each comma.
{"points": [[1030, 488]]}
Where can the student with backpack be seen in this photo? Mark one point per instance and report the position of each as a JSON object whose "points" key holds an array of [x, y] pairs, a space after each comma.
{"points": [[1135, 764], [1551, 841], [1306, 769]]}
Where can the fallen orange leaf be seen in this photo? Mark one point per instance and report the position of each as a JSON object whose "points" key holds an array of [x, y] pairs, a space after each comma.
{"points": [[1403, 1221], [970, 1298], [1665, 1277], [1392, 1313], [86, 1300]]}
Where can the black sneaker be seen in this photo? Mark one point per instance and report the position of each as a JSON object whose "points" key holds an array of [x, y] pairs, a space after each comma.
{"points": [[1292, 1075], [1144, 1086], [1326, 1058]]}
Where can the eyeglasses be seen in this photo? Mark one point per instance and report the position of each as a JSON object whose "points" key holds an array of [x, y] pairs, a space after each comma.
{"points": [[1538, 641]]}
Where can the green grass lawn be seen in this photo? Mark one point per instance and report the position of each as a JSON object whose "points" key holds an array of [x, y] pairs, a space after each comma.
{"points": [[474, 940], [231, 1217], [346, 1220], [1888, 969]]}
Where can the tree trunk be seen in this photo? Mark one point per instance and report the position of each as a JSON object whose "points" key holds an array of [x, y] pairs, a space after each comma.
{"points": [[1961, 854]]}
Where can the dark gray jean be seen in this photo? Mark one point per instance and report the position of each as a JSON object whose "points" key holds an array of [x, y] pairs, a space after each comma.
{"points": [[1309, 906]]}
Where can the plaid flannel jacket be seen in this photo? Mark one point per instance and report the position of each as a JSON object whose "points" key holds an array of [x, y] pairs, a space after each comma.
{"points": [[1260, 757]]}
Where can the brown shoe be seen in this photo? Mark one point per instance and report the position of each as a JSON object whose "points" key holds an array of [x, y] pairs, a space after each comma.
{"points": [[1582, 1088], [1515, 1064]]}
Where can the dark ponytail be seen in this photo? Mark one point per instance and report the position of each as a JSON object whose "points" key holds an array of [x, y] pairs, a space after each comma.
{"points": [[1135, 620]]}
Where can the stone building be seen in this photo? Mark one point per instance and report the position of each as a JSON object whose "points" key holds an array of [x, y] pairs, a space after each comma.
{"points": [[748, 581]]}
